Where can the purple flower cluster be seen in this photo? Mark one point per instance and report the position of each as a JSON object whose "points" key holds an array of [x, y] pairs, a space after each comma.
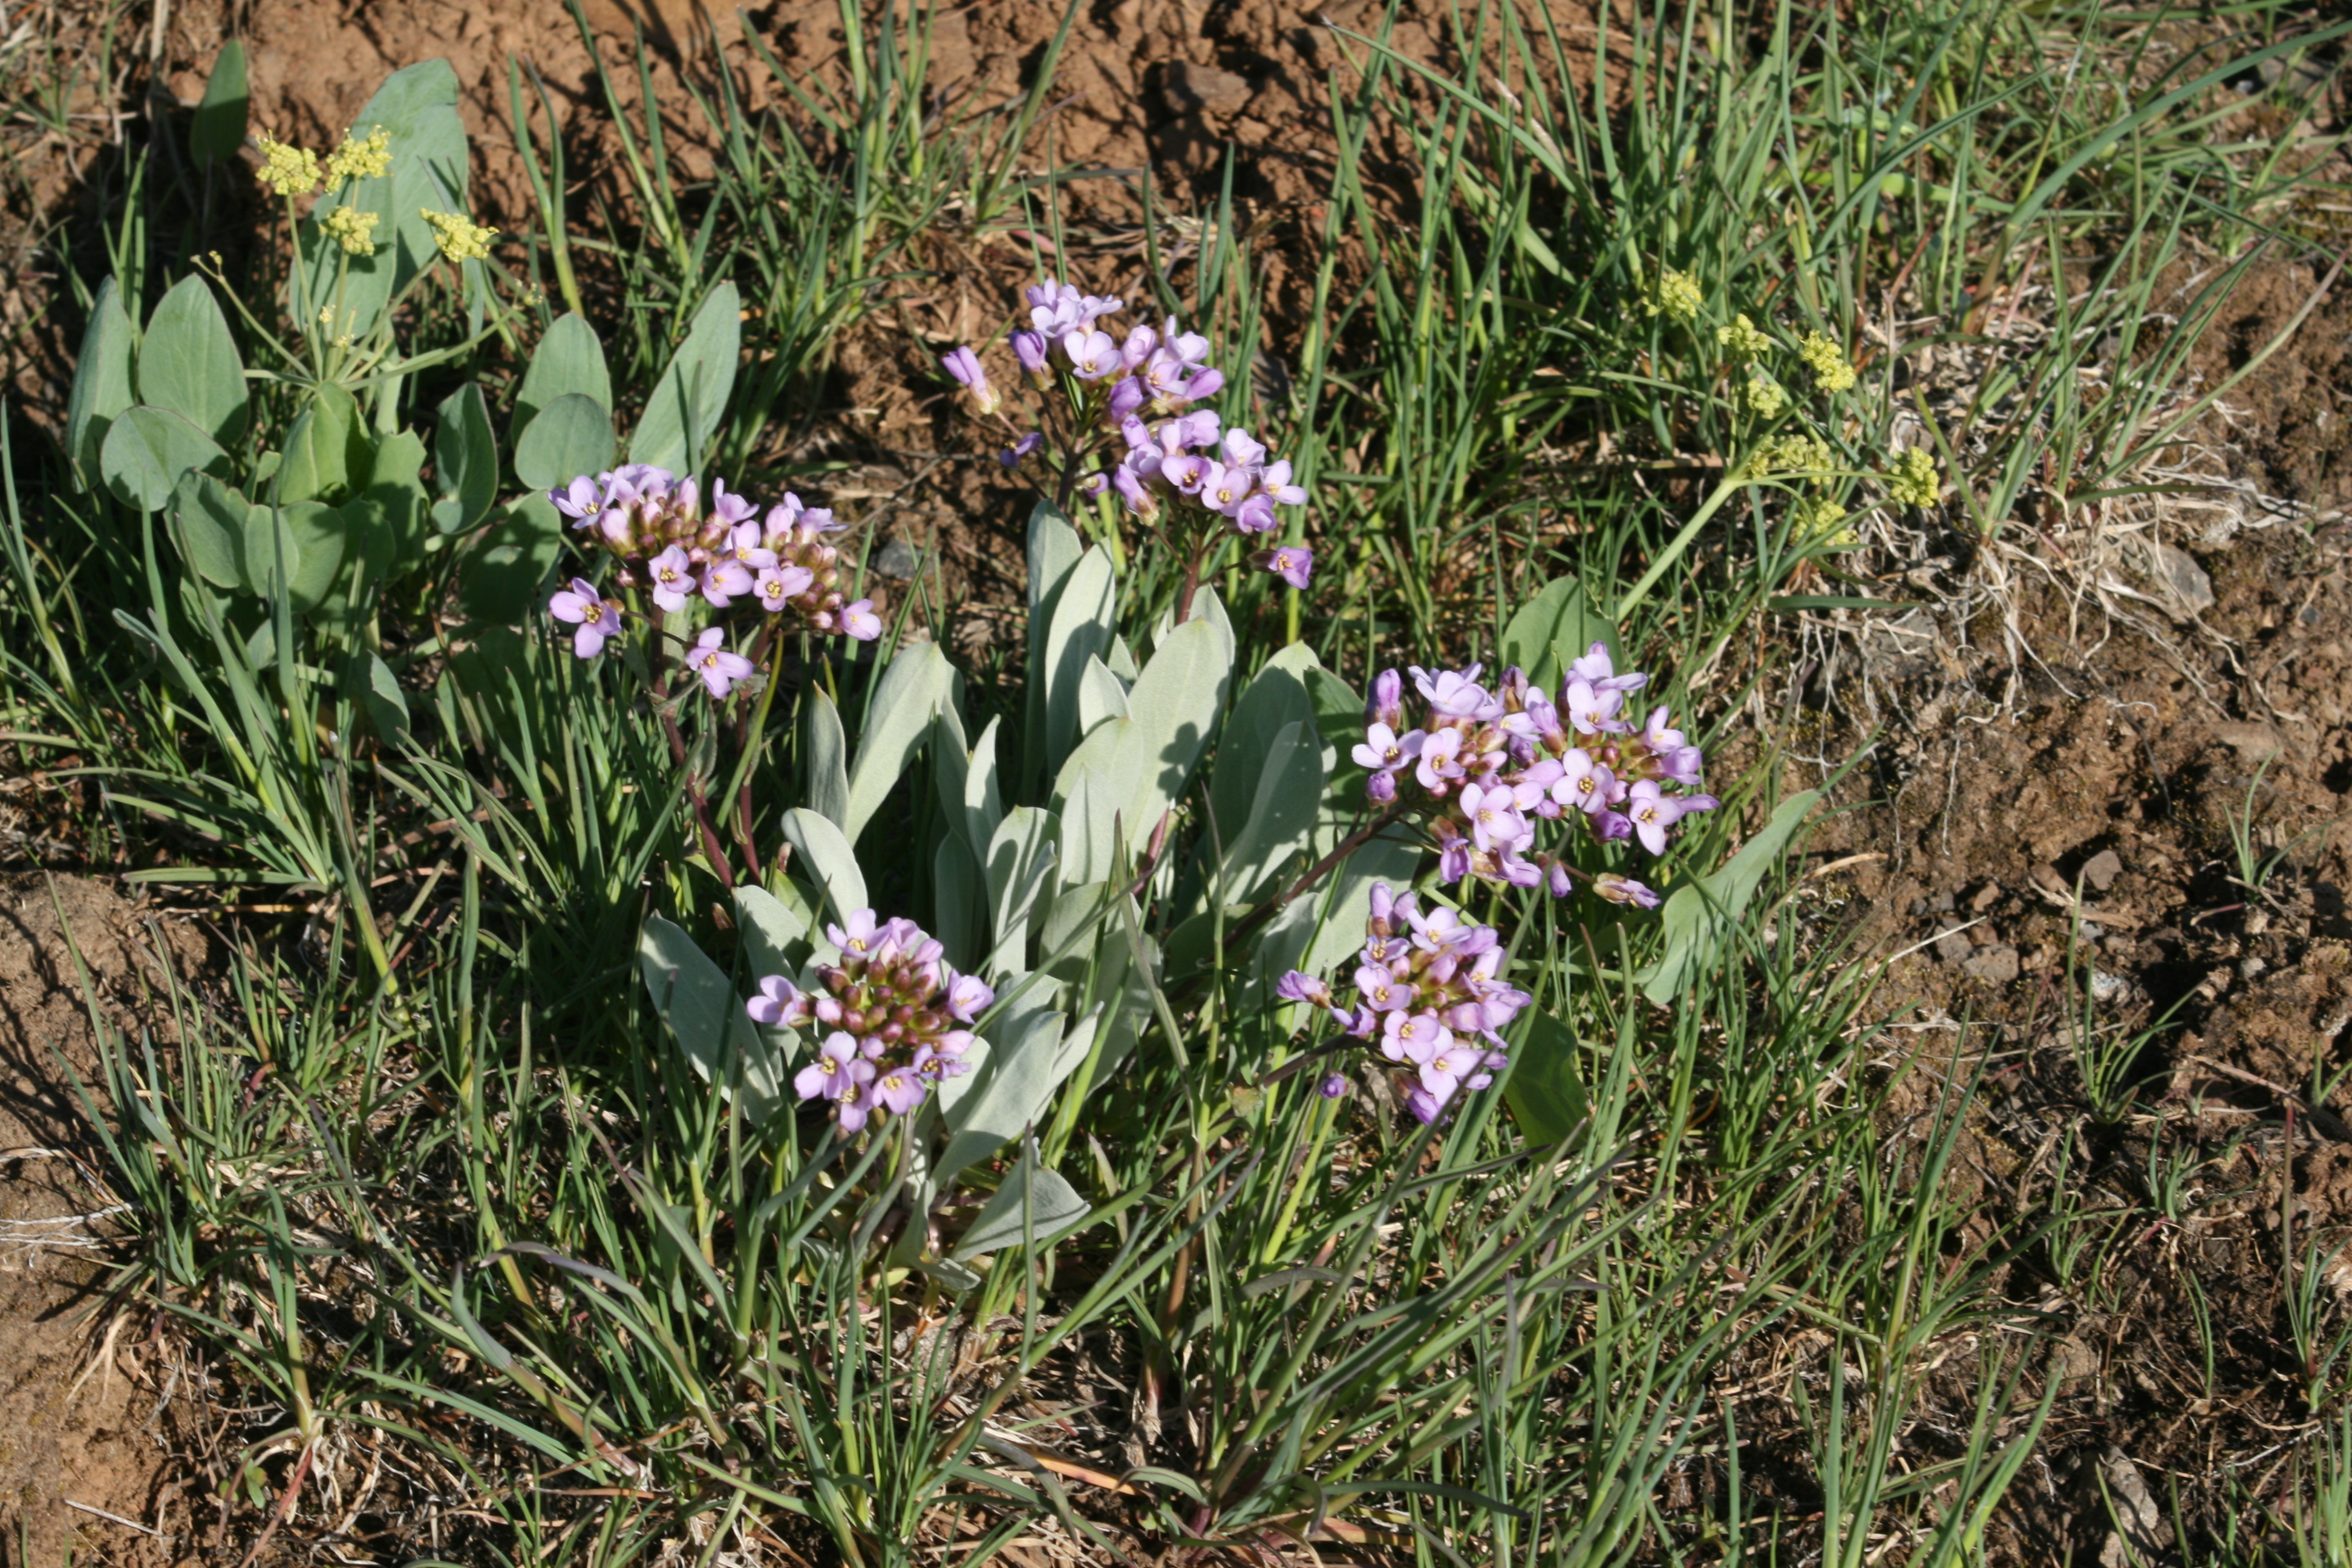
{"points": [[1490, 765], [1137, 390], [893, 1013], [1430, 998], [669, 543]]}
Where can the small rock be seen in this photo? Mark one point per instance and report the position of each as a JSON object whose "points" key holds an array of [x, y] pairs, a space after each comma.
{"points": [[2253, 743], [2102, 870], [1997, 966], [2107, 988], [897, 560], [1194, 86], [1985, 897], [1954, 946], [2179, 574], [1946, 903]]}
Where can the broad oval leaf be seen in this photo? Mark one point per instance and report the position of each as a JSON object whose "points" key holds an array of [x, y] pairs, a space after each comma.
{"points": [[211, 518], [684, 411], [1545, 1091], [188, 363], [319, 453], [502, 574], [572, 436], [1034, 1205], [568, 362], [145, 452]]}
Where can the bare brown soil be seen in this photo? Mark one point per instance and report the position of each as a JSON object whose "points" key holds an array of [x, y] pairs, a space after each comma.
{"points": [[94, 1407]]}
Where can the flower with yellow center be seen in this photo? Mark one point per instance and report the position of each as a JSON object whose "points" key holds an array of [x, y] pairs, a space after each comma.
{"points": [[1764, 396], [1827, 362], [352, 229], [459, 237], [1743, 340], [360, 160], [1914, 481], [288, 170], [1676, 294]]}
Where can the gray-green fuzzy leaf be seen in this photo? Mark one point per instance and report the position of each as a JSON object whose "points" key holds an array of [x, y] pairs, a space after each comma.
{"points": [[913, 691], [211, 517], [826, 752], [216, 129], [825, 851], [418, 108]]}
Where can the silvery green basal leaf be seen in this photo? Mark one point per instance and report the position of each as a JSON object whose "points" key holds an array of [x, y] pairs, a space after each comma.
{"points": [[568, 363], [823, 850], [1279, 827], [1021, 858], [505, 571], [1545, 1090], [683, 411], [1080, 632], [1144, 759], [1053, 550], [216, 129], [211, 519], [1551, 629], [825, 753], [573, 435], [465, 460], [1034, 1205], [322, 447], [1026, 1063], [913, 691]]}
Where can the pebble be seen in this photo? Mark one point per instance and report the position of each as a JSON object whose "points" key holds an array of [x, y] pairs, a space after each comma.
{"points": [[1996, 965], [2178, 570], [2102, 870], [1954, 946]]}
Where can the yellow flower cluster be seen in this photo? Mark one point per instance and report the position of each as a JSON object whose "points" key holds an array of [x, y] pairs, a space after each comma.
{"points": [[360, 160], [1827, 362], [288, 170], [1798, 454], [1913, 481], [1764, 396], [352, 229], [1817, 520], [459, 237], [1676, 294], [1743, 340]]}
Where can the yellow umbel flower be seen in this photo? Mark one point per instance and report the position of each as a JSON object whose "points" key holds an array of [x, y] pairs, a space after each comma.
{"points": [[1913, 481], [1816, 520], [1676, 294], [459, 237], [1743, 340], [1794, 454], [360, 160], [1764, 396], [1827, 362], [288, 170], [353, 228]]}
